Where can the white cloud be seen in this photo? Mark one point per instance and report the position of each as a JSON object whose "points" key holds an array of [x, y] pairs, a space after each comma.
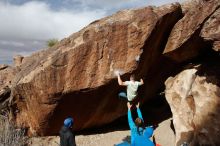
{"points": [[25, 25], [13, 43], [37, 21], [121, 4], [25, 28]]}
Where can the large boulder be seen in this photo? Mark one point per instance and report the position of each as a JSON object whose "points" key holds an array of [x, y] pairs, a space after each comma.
{"points": [[76, 76], [164, 134], [185, 41], [193, 93], [211, 30], [194, 98]]}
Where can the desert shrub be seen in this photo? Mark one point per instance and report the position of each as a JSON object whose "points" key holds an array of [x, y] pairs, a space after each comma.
{"points": [[52, 42], [10, 135]]}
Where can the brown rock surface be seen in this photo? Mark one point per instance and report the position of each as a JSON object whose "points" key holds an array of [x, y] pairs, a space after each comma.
{"points": [[194, 99], [164, 134], [3, 66], [211, 30], [18, 60], [184, 42], [7, 74], [76, 77]]}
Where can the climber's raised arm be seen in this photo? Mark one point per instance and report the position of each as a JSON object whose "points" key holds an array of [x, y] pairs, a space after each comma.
{"points": [[120, 82], [130, 120], [141, 82], [139, 111]]}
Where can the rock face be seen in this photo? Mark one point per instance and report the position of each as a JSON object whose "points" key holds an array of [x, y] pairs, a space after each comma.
{"points": [[194, 98], [7, 74], [18, 60], [3, 66], [193, 94], [76, 77], [159, 135], [185, 41], [211, 30]]}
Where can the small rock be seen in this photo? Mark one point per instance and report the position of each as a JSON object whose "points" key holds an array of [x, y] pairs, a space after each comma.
{"points": [[3, 66]]}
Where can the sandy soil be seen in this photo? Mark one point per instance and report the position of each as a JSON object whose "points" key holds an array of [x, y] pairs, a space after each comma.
{"points": [[105, 139], [163, 135]]}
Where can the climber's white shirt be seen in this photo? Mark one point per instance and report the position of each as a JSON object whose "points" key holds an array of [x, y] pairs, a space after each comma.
{"points": [[132, 87]]}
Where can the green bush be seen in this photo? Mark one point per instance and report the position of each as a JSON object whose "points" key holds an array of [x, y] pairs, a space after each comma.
{"points": [[52, 42]]}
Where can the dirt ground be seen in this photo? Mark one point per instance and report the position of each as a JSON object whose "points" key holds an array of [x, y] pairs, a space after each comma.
{"points": [[163, 135], [106, 139]]}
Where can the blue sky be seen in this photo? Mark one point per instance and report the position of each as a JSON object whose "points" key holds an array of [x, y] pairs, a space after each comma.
{"points": [[26, 25]]}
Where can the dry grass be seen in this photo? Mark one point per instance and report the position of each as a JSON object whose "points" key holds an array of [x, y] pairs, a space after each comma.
{"points": [[9, 134]]}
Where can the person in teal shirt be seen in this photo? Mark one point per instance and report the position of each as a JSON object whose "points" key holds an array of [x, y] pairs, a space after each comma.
{"points": [[144, 140], [139, 135]]}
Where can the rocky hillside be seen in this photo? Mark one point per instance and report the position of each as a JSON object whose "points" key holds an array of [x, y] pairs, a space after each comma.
{"points": [[76, 77]]}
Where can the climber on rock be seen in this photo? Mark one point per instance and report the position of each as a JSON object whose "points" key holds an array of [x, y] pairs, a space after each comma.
{"points": [[67, 137], [132, 87]]}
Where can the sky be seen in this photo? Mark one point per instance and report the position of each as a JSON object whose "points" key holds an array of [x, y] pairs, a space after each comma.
{"points": [[26, 25]]}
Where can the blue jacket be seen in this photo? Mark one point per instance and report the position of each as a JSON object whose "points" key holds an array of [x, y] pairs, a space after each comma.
{"points": [[141, 138], [144, 140], [133, 127]]}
